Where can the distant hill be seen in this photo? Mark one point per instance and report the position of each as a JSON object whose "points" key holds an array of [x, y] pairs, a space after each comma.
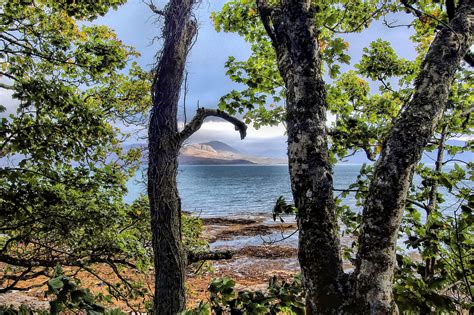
{"points": [[216, 152], [221, 146]]}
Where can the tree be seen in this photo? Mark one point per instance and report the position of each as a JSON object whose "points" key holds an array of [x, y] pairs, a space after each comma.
{"points": [[164, 142], [63, 170], [297, 31], [441, 236], [401, 151]]}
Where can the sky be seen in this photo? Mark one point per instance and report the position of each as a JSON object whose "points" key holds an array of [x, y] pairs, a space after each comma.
{"points": [[135, 25]]}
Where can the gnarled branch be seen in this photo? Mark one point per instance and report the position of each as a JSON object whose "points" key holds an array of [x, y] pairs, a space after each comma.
{"points": [[155, 10], [203, 113]]}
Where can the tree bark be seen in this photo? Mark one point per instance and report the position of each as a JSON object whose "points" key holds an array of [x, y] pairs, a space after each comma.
{"points": [[401, 151], [210, 255], [163, 148], [164, 143], [291, 27]]}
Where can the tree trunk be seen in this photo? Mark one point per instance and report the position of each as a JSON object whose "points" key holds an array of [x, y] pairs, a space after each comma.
{"points": [[401, 151], [295, 40], [164, 143], [433, 198], [163, 147]]}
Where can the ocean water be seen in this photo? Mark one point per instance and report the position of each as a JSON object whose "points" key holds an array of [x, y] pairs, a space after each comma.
{"points": [[248, 190], [231, 190], [234, 190]]}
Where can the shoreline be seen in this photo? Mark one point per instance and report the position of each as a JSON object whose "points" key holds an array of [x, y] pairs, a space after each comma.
{"points": [[259, 254]]}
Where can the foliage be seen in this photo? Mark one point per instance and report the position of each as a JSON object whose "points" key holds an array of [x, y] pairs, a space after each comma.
{"points": [[63, 172], [445, 243], [191, 229], [281, 298], [69, 296], [262, 99], [283, 208], [22, 310]]}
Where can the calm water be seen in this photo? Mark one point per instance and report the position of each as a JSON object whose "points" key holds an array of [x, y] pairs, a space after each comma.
{"points": [[223, 190], [235, 190]]}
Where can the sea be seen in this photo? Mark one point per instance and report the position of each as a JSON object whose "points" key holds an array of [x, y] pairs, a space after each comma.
{"points": [[236, 190]]}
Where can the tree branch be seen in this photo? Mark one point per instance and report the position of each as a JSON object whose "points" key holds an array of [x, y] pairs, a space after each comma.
{"points": [[12, 285], [469, 58], [71, 262], [418, 204], [155, 10], [6, 86], [203, 113], [419, 14], [264, 12], [211, 255]]}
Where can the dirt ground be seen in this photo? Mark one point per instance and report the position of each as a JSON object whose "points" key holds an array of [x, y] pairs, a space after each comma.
{"points": [[251, 266]]}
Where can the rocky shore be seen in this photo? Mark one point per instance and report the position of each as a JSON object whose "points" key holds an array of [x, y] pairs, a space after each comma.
{"points": [[262, 248]]}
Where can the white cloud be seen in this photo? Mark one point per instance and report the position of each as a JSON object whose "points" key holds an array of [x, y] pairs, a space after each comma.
{"points": [[7, 100], [267, 141]]}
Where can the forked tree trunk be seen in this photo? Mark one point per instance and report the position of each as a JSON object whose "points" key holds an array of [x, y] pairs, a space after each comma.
{"points": [[164, 143], [291, 27], [401, 152]]}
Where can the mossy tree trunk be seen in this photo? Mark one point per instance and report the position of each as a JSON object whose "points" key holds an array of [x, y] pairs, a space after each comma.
{"points": [[401, 152], [294, 37], [179, 31]]}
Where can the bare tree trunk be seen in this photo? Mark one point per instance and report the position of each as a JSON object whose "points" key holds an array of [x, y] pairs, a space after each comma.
{"points": [[163, 147], [291, 28], [401, 151], [164, 143]]}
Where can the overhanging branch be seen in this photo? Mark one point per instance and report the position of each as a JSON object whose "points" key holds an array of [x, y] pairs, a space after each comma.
{"points": [[203, 113], [70, 262]]}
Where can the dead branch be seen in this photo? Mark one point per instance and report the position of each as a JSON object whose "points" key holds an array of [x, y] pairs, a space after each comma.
{"points": [[203, 113]]}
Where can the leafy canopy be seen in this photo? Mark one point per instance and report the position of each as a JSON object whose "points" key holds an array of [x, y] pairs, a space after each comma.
{"points": [[63, 169]]}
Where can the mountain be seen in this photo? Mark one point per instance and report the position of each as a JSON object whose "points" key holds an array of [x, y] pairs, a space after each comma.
{"points": [[216, 152], [221, 146]]}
